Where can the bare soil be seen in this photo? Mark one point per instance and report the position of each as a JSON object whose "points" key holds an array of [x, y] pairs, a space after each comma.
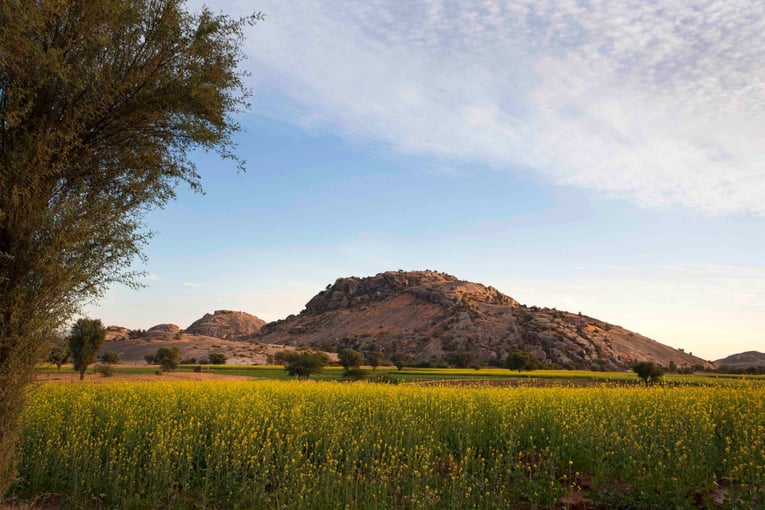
{"points": [[74, 377]]}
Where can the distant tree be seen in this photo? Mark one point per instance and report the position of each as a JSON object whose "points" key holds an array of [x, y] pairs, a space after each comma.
{"points": [[305, 363], [168, 358], [374, 359], [648, 371], [59, 354], [460, 359], [86, 338], [150, 357], [110, 357], [521, 360], [350, 358], [217, 358], [400, 360]]}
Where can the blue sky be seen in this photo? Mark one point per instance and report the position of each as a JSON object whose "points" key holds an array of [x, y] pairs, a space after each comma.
{"points": [[595, 157]]}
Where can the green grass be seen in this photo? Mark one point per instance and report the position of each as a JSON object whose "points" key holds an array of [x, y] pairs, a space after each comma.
{"points": [[412, 375]]}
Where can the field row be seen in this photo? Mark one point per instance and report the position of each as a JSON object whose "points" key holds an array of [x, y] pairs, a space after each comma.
{"points": [[273, 444]]}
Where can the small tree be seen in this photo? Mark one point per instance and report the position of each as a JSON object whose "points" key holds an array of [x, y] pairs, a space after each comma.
{"points": [[374, 359], [521, 360], [460, 359], [351, 361], [400, 360], [59, 354], [168, 358], [304, 364], [649, 372], [110, 357], [88, 335], [217, 358], [350, 358]]}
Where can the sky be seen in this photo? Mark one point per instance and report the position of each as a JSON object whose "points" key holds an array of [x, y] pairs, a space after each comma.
{"points": [[603, 157]]}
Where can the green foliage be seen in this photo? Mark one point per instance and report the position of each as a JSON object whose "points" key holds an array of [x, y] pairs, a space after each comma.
{"points": [[460, 359], [400, 360], [350, 358], [217, 358], [110, 357], [649, 372], [168, 358], [353, 374], [105, 369], [59, 354], [521, 360], [87, 337], [100, 103], [374, 359], [303, 364]]}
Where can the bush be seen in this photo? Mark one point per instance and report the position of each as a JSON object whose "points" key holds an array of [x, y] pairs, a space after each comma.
{"points": [[217, 358], [304, 364], [521, 360], [168, 358], [110, 357], [353, 374], [105, 370], [649, 372]]}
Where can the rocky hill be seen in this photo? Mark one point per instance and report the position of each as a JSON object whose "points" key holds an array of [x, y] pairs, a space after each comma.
{"points": [[742, 360], [433, 317], [226, 324], [133, 345]]}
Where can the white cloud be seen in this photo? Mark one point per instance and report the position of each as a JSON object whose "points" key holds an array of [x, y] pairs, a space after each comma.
{"points": [[661, 103]]}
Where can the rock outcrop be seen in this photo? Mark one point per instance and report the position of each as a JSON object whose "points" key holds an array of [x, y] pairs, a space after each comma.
{"points": [[742, 361], [226, 324], [435, 317]]}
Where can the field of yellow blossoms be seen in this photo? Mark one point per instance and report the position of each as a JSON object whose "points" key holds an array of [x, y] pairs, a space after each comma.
{"points": [[281, 444]]}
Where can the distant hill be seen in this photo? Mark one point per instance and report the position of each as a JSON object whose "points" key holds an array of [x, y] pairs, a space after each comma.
{"points": [[135, 344], [435, 317], [226, 324], [742, 360]]}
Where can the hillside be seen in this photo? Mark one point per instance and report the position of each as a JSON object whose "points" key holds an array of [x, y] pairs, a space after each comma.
{"points": [[742, 360], [432, 317], [133, 345], [226, 324]]}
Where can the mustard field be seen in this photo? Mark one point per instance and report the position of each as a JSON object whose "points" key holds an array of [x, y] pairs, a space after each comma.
{"points": [[280, 444]]}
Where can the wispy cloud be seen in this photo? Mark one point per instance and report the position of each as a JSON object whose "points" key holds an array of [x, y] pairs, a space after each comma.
{"points": [[661, 103]]}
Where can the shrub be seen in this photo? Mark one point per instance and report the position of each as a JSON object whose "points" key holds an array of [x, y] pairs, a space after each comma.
{"points": [[521, 360], [104, 369], [649, 372], [110, 357], [217, 358]]}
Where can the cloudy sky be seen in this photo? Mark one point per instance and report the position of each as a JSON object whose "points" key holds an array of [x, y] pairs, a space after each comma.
{"points": [[595, 156]]}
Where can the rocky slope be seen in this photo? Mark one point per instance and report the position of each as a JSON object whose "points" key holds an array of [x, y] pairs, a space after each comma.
{"points": [[133, 345], [226, 324], [432, 316], [742, 360]]}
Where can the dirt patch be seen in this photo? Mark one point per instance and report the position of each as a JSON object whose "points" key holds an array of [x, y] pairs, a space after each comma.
{"points": [[74, 378]]}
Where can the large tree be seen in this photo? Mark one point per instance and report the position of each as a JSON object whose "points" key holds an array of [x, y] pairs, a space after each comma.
{"points": [[100, 103]]}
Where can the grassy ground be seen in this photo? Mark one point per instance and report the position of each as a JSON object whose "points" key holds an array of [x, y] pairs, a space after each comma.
{"points": [[416, 375]]}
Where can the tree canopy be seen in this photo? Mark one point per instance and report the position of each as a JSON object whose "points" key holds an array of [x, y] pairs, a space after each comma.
{"points": [[100, 104], [304, 364], [648, 371], [521, 360], [87, 337]]}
